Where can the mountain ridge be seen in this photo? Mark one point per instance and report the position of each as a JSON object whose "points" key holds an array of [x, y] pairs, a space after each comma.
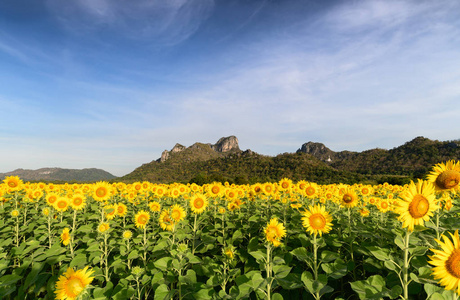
{"points": [[60, 174], [312, 161]]}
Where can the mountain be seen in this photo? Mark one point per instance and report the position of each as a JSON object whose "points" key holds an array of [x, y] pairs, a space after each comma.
{"points": [[224, 161], [58, 174], [414, 159]]}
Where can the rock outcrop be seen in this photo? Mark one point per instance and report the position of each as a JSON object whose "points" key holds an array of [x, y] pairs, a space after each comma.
{"points": [[226, 144], [223, 145]]}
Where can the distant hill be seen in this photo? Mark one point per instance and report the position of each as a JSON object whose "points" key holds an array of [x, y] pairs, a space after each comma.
{"points": [[202, 163], [413, 159], [58, 174]]}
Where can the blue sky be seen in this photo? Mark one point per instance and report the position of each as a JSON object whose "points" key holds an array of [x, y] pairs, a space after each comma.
{"points": [[111, 84]]}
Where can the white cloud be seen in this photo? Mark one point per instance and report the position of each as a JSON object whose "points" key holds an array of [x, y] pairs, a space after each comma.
{"points": [[168, 22]]}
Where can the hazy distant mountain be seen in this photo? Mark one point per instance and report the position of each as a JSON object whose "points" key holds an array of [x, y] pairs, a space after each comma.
{"points": [[59, 174]]}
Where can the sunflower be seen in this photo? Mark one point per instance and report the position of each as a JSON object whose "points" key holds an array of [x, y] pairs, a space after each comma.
{"points": [[165, 220], [46, 211], [317, 220], [110, 211], [73, 283], [268, 188], [229, 252], [285, 184], [127, 234], [349, 198], [15, 213], [311, 190], [384, 205], [445, 176], [103, 227], [198, 203], [51, 198], [216, 189], [78, 201], [417, 204], [446, 262], [141, 219], [274, 232], [177, 213], [102, 191], [61, 204], [364, 212], [121, 209], [65, 236], [154, 206], [14, 183]]}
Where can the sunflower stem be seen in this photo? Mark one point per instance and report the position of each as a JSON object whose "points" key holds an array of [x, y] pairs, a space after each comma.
{"points": [[268, 268], [194, 235], [405, 282], [315, 263]]}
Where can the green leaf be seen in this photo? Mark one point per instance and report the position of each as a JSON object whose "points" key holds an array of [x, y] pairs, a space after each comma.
{"points": [[399, 241], [9, 279], [163, 263], [162, 292], [258, 255], [380, 254], [327, 256], [133, 254], [277, 296], [33, 274], [281, 271], [78, 261], [204, 294], [335, 270], [301, 254]]}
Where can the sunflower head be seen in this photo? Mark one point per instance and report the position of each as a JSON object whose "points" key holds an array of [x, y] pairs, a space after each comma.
{"points": [[13, 183], [154, 206], [445, 176], [61, 204], [65, 236], [446, 262], [141, 219], [417, 204], [166, 222], [177, 213], [317, 220], [198, 203], [349, 198], [73, 283], [127, 234], [274, 232], [103, 227]]}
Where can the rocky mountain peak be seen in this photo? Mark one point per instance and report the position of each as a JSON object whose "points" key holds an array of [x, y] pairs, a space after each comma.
{"points": [[224, 144]]}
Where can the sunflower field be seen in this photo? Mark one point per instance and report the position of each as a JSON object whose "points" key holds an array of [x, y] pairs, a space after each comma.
{"points": [[282, 240]]}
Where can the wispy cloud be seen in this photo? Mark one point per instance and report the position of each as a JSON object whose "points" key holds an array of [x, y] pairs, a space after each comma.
{"points": [[168, 22]]}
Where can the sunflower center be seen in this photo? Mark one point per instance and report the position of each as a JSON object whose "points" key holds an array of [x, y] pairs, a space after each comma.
{"points": [[62, 204], [384, 205], [175, 215], [285, 185], [419, 206], [310, 191], [142, 219], [215, 190], [101, 192], [448, 179], [52, 199], [317, 221], [74, 287], [12, 184], [453, 264], [198, 203], [77, 201], [347, 198]]}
